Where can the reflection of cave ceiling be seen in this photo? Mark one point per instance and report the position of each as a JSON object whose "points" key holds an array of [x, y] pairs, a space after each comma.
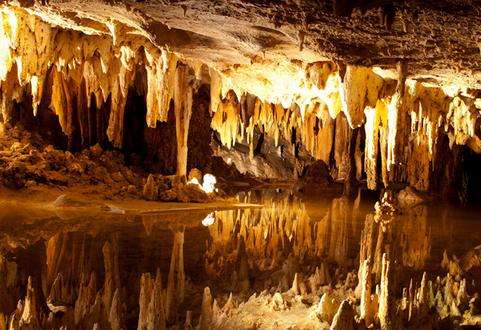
{"points": [[439, 39]]}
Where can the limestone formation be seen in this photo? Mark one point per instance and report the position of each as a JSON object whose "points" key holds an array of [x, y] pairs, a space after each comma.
{"points": [[328, 307], [78, 67]]}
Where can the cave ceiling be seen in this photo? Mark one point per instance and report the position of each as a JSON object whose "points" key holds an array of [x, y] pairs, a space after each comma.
{"points": [[439, 40]]}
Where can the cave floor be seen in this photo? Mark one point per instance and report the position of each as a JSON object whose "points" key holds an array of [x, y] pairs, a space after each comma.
{"points": [[87, 200]]}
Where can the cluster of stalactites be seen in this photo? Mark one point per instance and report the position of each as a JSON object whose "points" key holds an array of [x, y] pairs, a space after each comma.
{"points": [[403, 120], [37, 56]]}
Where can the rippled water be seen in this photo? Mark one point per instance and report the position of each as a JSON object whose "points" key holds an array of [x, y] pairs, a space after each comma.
{"points": [[241, 251]]}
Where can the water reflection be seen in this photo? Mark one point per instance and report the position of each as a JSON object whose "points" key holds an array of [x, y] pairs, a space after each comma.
{"points": [[151, 271]]}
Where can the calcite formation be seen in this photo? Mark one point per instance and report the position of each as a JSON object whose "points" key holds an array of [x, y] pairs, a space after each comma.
{"points": [[82, 66]]}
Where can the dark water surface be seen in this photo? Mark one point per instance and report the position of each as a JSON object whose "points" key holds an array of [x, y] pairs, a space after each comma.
{"points": [[240, 251]]}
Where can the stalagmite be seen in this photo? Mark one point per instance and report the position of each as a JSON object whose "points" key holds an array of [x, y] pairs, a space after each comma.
{"points": [[151, 190], [229, 305], [295, 289]]}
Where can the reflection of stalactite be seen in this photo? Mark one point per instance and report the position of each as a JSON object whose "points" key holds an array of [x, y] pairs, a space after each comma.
{"points": [[390, 244], [334, 237], [86, 298], [152, 312], [112, 275], [405, 237], [176, 278], [386, 299], [282, 228]]}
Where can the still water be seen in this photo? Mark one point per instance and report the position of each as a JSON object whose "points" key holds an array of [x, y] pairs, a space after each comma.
{"points": [[77, 261]]}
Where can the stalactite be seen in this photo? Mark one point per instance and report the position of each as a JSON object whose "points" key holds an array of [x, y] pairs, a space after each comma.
{"points": [[99, 66], [215, 90], [161, 68], [373, 121], [227, 121], [350, 183], [403, 119], [361, 89], [183, 92]]}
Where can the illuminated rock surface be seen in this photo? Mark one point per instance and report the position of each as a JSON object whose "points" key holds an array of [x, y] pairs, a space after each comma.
{"points": [[92, 60]]}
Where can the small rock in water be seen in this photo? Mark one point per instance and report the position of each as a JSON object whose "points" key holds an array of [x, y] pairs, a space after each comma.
{"points": [[408, 197], [113, 209], [65, 201]]}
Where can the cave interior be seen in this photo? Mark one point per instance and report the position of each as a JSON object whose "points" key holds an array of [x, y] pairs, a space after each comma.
{"points": [[217, 108]]}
